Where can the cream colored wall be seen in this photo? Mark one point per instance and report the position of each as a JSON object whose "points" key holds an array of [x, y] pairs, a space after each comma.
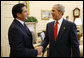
{"points": [[6, 19], [35, 10], [37, 6]]}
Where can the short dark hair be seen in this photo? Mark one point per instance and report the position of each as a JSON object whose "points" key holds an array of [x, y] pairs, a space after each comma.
{"points": [[17, 9]]}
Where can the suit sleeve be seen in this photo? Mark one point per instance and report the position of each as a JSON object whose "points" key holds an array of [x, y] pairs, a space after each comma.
{"points": [[74, 41], [16, 42], [46, 39]]}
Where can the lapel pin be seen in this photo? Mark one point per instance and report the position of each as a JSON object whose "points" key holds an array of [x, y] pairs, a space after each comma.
{"points": [[64, 28]]}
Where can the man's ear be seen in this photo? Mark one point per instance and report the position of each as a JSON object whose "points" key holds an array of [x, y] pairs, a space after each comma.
{"points": [[18, 14]]}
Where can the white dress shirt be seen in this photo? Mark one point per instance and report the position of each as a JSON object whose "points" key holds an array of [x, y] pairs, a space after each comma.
{"points": [[22, 22], [59, 24]]}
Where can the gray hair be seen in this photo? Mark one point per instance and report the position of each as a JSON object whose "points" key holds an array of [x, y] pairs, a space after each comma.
{"points": [[60, 8]]}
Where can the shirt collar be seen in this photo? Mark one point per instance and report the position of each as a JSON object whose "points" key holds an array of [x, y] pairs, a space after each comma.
{"points": [[59, 21], [21, 22]]}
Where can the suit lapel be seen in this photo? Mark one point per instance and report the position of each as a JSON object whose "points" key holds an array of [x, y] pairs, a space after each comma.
{"points": [[52, 30], [21, 26]]}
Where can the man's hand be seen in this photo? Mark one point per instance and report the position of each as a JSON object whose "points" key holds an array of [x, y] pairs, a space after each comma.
{"points": [[39, 49]]}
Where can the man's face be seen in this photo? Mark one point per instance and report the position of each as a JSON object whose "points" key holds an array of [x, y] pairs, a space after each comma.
{"points": [[23, 16], [55, 13]]}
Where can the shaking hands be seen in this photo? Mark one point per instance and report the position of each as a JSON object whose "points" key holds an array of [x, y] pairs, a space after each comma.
{"points": [[39, 49]]}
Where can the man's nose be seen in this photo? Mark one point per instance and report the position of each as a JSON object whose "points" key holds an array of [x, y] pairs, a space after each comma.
{"points": [[51, 12]]}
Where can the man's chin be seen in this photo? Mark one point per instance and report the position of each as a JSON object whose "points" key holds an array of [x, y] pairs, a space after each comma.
{"points": [[25, 18]]}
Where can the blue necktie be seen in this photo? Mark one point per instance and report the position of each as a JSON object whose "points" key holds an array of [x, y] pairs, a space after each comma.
{"points": [[26, 28]]}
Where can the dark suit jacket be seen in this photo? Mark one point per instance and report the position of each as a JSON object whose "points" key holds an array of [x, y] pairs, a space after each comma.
{"points": [[20, 41], [66, 40]]}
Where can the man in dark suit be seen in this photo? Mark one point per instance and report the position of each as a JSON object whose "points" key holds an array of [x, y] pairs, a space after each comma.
{"points": [[20, 37], [61, 35]]}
